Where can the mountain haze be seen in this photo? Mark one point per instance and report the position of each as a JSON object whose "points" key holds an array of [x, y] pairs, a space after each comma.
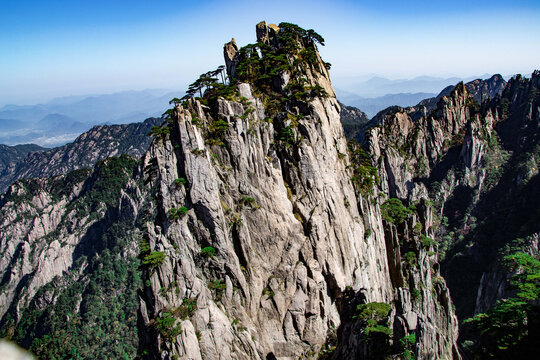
{"points": [[62, 119], [96, 144]]}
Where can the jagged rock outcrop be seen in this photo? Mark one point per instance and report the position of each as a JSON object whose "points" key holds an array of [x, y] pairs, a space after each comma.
{"points": [[258, 233], [96, 144], [274, 198], [478, 164], [282, 218], [230, 51], [423, 304], [485, 90], [405, 148], [481, 90]]}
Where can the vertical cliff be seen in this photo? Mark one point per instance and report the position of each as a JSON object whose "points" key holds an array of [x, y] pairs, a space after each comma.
{"points": [[70, 274], [267, 243], [478, 165]]}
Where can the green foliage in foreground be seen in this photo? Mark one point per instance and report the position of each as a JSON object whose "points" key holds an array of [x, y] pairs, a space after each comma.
{"points": [[505, 326], [208, 251], [180, 181], [158, 131], [95, 318], [167, 327], [218, 287], [406, 344], [365, 175], [112, 176], [374, 310], [187, 308], [427, 242], [176, 213]]}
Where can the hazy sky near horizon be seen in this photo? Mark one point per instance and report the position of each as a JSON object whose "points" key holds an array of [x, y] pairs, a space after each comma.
{"points": [[52, 48]]}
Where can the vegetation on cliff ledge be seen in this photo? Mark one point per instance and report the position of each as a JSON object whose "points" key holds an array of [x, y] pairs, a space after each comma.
{"points": [[290, 50], [512, 325]]}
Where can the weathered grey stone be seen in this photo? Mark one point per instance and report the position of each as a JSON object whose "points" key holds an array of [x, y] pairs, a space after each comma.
{"points": [[230, 51], [298, 246]]}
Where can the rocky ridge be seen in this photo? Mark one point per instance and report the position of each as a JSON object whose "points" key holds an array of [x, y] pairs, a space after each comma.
{"points": [[468, 159], [103, 140], [14, 154], [480, 90], [69, 247]]}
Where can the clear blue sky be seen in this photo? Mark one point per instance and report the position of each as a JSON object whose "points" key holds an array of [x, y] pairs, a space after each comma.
{"points": [[57, 48]]}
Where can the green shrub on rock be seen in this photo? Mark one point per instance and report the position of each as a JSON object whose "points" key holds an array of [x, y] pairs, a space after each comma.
{"points": [[154, 259], [393, 211], [208, 251], [176, 213]]}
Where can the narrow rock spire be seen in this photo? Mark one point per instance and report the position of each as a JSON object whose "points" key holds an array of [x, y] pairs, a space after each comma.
{"points": [[230, 51]]}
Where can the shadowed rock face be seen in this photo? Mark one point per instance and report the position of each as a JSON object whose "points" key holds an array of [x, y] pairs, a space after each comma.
{"points": [[479, 166], [258, 174], [355, 122], [485, 90], [13, 154]]}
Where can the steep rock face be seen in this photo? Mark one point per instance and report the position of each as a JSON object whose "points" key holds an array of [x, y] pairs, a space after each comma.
{"points": [[479, 166], [510, 168], [68, 250], [94, 145], [273, 197], [285, 254], [423, 304], [481, 90], [409, 144]]}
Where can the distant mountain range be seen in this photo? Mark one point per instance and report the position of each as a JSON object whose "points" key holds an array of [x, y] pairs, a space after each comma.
{"points": [[100, 142], [62, 119], [378, 86], [378, 93], [371, 106]]}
